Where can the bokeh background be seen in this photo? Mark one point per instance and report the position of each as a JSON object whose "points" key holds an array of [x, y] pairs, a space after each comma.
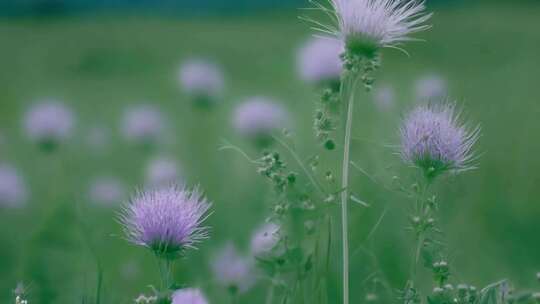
{"points": [[99, 57]]}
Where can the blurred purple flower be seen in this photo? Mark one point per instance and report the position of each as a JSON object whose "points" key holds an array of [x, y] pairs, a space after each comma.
{"points": [[319, 60], [257, 117], [107, 190], [166, 220], [431, 88], [13, 191], [188, 296], [162, 171], [385, 97], [201, 78], [48, 122], [433, 138], [265, 239], [142, 124], [233, 271]]}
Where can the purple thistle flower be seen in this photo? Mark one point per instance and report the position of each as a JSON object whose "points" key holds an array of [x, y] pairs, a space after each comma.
{"points": [[162, 171], [384, 97], [265, 239], [202, 80], [431, 88], [319, 60], [166, 220], [13, 191], [232, 270], [142, 124], [434, 139], [107, 191], [189, 296], [48, 123], [257, 117]]}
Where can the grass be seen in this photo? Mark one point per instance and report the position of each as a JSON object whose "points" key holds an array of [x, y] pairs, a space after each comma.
{"points": [[100, 64]]}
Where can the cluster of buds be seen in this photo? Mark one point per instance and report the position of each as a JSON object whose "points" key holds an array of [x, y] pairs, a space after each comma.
{"points": [[325, 117], [20, 294], [20, 300], [447, 294], [273, 168], [362, 65], [410, 295], [441, 272], [142, 299]]}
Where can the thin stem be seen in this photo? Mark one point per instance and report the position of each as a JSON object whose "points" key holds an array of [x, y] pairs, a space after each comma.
{"points": [[270, 294], [347, 90], [165, 269]]}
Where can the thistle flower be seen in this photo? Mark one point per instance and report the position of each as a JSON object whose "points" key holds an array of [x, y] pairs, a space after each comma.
{"points": [[48, 123], [319, 60], [434, 139], [265, 240], [367, 25], [202, 80], [106, 190], [432, 88], [13, 191], [162, 172], [142, 124], [188, 296], [166, 220], [257, 117], [384, 97], [233, 271]]}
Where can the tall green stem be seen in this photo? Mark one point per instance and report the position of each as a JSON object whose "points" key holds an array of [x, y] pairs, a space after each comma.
{"points": [[347, 93], [165, 269]]}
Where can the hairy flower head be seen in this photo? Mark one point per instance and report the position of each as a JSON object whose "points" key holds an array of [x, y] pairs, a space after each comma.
{"points": [[434, 139], [189, 296], [366, 25], [319, 60], [166, 220]]}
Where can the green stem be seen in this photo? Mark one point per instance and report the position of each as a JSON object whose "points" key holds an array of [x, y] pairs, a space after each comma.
{"points": [[165, 272], [347, 90]]}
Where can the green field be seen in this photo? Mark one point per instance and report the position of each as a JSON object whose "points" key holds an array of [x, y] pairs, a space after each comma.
{"points": [[100, 64]]}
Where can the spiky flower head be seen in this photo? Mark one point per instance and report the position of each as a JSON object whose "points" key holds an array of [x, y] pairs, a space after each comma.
{"points": [[48, 123], [319, 61], [106, 191], [142, 124], [232, 270], [258, 117], [202, 79], [189, 296], [265, 239], [431, 88], [13, 190], [162, 171], [166, 220], [434, 139], [367, 25]]}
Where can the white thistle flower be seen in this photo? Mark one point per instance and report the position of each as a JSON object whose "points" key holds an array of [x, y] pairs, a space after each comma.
{"points": [[431, 88], [13, 190], [48, 122], [265, 239], [319, 60], [162, 172], [201, 79], [366, 25]]}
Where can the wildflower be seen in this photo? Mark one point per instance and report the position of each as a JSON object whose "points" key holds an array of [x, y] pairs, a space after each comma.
{"points": [[258, 117], [166, 220], [142, 124], [367, 25], [319, 60], [162, 172], [431, 88], [202, 80], [13, 191], [233, 271], [98, 138], [265, 239], [188, 296], [385, 97], [106, 190], [434, 139], [48, 123]]}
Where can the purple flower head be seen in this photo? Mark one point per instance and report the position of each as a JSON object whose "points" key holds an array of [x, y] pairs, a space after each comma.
{"points": [[48, 123], [265, 239], [257, 117], [232, 270], [384, 97], [162, 171], [189, 296], [166, 220], [142, 124], [319, 60], [434, 139], [201, 79], [431, 88], [13, 192], [107, 191]]}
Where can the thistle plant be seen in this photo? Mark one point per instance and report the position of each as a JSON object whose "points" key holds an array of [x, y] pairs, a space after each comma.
{"points": [[168, 221], [202, 81], [365, 27], [13, 188]]}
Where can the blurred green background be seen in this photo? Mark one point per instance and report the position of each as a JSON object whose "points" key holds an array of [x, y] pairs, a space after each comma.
{"points": [[100, 62]]}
